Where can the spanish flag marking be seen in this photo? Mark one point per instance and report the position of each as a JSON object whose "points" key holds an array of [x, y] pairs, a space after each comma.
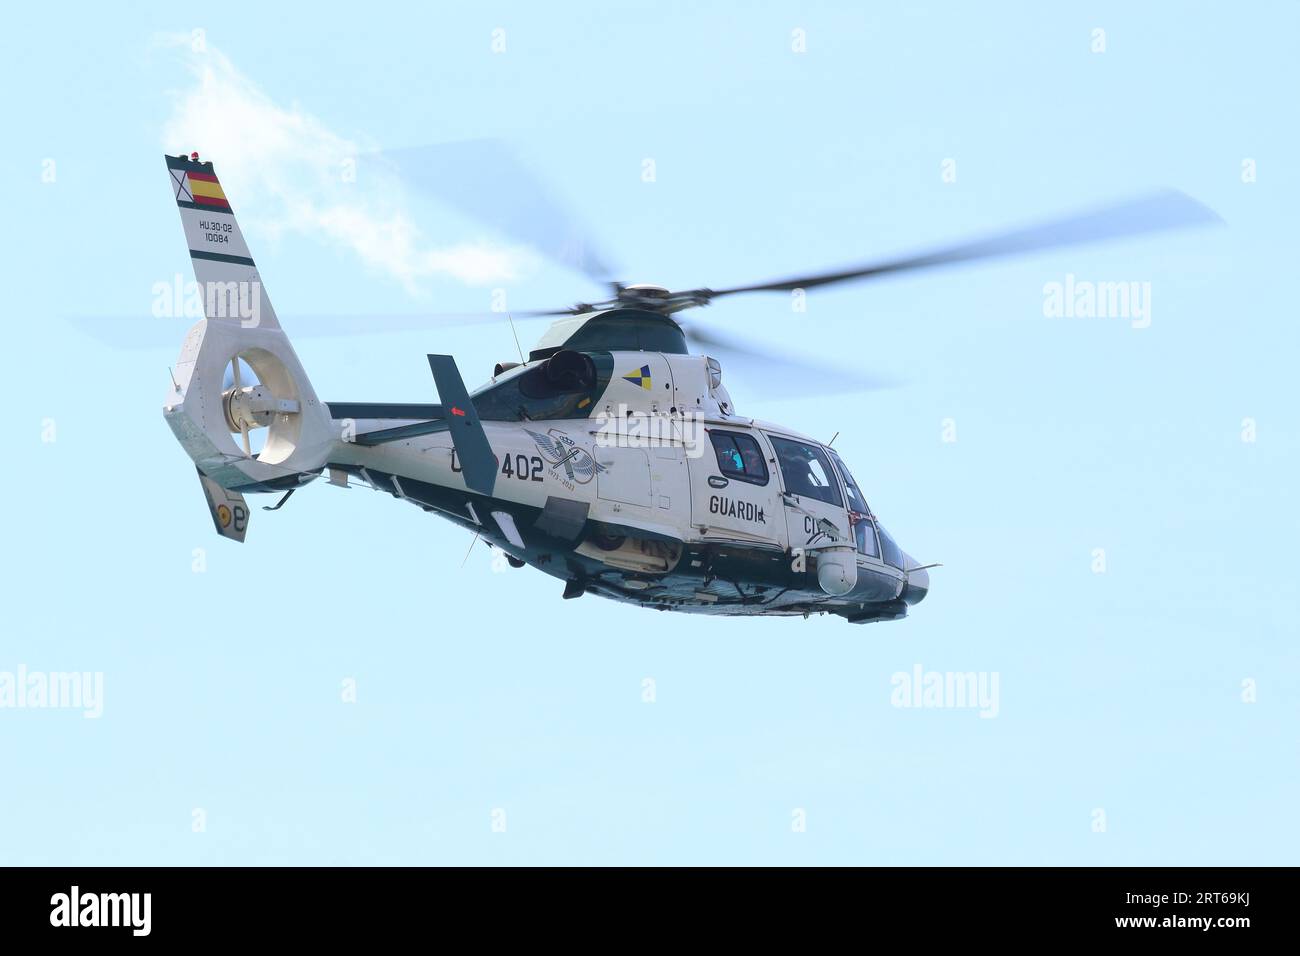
{"points": [[207, 191]]}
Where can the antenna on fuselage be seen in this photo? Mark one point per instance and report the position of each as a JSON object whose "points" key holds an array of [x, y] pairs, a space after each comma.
{"points": [[511, 319]]}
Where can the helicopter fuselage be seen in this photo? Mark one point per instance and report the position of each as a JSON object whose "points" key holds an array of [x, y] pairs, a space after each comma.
{"points": [[646, 487], [612, 458]]}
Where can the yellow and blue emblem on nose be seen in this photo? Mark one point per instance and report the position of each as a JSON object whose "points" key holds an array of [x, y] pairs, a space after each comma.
{"points": [[640, 377]]}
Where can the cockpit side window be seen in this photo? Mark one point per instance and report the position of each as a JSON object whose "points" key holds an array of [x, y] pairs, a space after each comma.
{"points": [[807, 470], [739, 456], [893, 553], [856, 501], [860, 517]]}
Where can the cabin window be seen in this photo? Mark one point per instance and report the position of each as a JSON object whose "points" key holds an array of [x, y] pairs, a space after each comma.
{"points": [[739, 456], [807, 470]]}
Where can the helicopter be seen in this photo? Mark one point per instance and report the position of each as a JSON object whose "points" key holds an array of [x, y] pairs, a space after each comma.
{"points": [[611, 457]]}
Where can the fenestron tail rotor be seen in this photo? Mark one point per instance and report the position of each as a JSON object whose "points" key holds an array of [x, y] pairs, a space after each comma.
{"points": [[240, 390]]}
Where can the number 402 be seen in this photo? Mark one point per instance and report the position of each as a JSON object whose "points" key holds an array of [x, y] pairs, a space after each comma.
{"points": [[524, 468]]}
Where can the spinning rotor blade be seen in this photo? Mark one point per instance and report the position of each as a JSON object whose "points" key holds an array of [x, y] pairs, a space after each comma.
{"points": [[144, 331], [1168, 209], [780, 373], [485, 180], [234, 378], [482, 179], [238, 384]]}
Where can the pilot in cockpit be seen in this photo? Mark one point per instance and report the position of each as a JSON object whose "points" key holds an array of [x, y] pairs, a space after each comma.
{"points": [[799, 478]]}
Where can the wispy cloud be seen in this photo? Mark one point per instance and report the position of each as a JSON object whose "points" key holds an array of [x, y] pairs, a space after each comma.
{"points": [[286, 171]]}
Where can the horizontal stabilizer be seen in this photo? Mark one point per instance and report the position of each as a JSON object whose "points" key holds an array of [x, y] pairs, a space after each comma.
{"points": [[399, 432]]}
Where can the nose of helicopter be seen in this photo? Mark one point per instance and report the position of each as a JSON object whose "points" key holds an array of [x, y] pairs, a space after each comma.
{"points": [[918, 582]]}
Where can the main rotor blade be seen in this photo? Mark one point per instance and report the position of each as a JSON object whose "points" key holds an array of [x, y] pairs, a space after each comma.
{"points": [[486, 180], [143, 331], [780, 373], [1160, 211]]}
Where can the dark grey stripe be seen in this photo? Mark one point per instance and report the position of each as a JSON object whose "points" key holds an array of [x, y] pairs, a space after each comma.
{"points": [[222, 257], [187, 164], [226, 211], [384, 410]]}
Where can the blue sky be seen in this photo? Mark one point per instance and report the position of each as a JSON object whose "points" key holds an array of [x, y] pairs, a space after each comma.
{"points": [[480, 690]]}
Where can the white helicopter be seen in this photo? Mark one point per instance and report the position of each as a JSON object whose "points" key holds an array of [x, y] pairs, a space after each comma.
{"points": [[611, 458]]}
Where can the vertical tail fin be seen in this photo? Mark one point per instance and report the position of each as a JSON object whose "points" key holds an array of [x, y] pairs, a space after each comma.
{"points": [[223, 266], [204, 407]]}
